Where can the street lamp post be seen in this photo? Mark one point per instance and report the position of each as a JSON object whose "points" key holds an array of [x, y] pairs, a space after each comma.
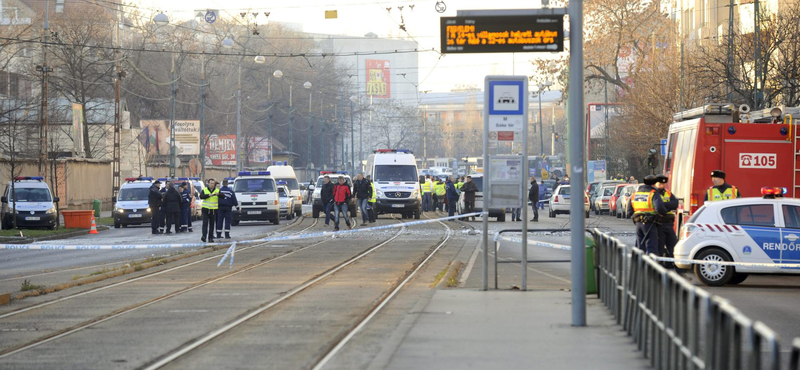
{"points": [[307, 85], [541, 88], [353, 99], [278, 75]]}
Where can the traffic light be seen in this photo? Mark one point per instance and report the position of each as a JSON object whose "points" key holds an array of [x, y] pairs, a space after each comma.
{"points": [[652, 161], [556, 137]]}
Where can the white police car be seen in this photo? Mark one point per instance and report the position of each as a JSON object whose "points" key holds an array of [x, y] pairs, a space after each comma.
{"points": [[754, 230], [34, 204], [286, 200], [131, 207]]}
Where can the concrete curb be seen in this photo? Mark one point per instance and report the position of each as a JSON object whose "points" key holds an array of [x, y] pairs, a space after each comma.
{"points": [[452, 273], [79, 232]]}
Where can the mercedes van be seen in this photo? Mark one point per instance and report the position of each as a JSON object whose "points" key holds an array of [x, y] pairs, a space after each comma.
{"points": [[394, 172]]}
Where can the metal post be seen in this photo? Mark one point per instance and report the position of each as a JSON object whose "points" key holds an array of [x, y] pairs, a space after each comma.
{"points": [[239, 120], [605, 111], [172, 121], [524, 176], [291, 126], [269, 124], [43, 128], [352, 142], [577, 222], [757, 56], [541, 125], [487, 171], [117, 154], [202, 117], [360, 139]]}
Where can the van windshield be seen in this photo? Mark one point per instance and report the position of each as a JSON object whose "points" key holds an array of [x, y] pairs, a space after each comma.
{"points": [[254, 186], [291, 183], [395, 172], [131, 194], [30, 194]]}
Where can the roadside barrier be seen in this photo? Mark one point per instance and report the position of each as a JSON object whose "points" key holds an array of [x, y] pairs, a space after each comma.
{"points": [[239, 242], [678, 325]]}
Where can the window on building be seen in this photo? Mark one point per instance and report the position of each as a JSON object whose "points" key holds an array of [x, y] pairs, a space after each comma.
{"points": [[457, 116], [4, 83], [13, 85], [59, 6]]}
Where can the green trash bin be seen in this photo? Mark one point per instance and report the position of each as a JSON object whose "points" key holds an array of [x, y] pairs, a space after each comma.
{"points": [[96, 207], [591, 282]]}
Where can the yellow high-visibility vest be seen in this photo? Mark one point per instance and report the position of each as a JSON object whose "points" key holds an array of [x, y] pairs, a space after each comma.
{"points": [[714, 194], [439, 189], [642, 202], [374, 194], [211, 202]]}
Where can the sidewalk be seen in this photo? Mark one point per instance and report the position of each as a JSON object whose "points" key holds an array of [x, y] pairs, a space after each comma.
{"points": [[471, 329]]}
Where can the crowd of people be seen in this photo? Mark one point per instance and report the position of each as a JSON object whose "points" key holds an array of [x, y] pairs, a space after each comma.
{"points": [[171, 209]]}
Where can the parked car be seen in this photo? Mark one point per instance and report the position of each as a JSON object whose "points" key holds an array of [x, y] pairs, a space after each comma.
{"points": [[601, 199], [594, 188], [624, 199], [285, 200], [560, 201], [499, 213], [612, 203]]}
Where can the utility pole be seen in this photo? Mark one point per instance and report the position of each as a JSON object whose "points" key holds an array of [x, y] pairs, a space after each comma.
{"points": [[43, 114], [202, 115], [291, 125], [269, 113], [352, 142], [757, 56], [729, 75], [239, 142], [605, 112], [116, 164], [172, 121]]}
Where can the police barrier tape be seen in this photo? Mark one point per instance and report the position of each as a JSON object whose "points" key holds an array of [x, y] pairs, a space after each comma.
{"points": [[534, 243], [254, 241]]}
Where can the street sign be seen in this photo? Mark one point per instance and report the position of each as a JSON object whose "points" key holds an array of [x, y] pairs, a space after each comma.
{"points": [[506, 120], [596, 171], [663, 147], [506, 177], [502, 34], [211, 16]]}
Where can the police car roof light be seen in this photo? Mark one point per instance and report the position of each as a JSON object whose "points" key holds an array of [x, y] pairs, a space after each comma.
{"points": [[342, 172], [39, 178], [383, 151], [772, 191], [403, 151], [285, 163], [281, 182], [131, 179], [183, 178], [244, 173], [263, 173], [325, 172], [149, 178], [194, 178], [273, 163], [162, 179]]}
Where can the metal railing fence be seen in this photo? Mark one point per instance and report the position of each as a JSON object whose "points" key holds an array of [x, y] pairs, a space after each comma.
{"points": [[678, 325]]}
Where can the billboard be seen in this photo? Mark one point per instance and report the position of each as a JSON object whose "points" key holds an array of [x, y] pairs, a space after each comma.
{"points": [[187, 136], [260, 149], [221, 150], [378, 78]]}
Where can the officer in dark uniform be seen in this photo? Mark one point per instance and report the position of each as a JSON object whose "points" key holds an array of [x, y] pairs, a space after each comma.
{"points": [[645, 207], [666, 232], [721, 189], [227, 200], [162, 215], [186, 219], [154, 201]]}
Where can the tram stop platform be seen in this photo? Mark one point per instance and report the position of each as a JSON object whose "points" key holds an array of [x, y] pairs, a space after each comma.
{"points": [[473, 329]]}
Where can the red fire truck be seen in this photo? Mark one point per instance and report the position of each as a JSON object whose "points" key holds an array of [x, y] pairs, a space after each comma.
{"points": [[755, 149]]}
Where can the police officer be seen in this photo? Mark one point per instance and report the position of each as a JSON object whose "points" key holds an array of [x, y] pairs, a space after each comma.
{"points": [[666, 232], [227, 200], [162, 214], [210, 197], [721, 189], [645, 206], [186, 218], [154, 201], [427, 194], [372, 200]]}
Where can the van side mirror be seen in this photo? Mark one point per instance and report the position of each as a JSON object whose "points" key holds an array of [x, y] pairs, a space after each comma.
{"points": [[4, 199]]}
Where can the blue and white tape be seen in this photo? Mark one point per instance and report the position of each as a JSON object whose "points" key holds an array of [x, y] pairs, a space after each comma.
{"points": [[535, 243], [201, 245]]}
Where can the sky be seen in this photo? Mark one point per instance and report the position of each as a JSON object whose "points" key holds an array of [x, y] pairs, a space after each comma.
{"points": [[358, 17]]}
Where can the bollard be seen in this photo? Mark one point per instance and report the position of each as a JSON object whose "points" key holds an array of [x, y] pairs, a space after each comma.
{"points": [[96, 206], [591, 281]]}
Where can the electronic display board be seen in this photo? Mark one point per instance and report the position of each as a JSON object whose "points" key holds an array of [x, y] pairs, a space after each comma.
{"points": [[502, 34]]}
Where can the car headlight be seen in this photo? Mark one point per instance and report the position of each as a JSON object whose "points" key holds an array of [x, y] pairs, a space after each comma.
{"points": [[148, 209], [51, 211], [380, 194], [120, 210], [414, 193]]}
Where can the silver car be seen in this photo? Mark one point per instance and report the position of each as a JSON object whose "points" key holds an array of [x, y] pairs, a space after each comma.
{"points": [[602, 198], [286, 202]]}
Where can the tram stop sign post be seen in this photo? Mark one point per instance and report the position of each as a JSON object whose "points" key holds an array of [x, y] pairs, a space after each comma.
{"points": [[505, 120]]}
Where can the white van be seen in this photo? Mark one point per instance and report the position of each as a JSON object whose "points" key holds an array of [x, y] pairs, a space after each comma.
{"points": [[284, 172], [394, 172], [34, 202], [132, 207], [257, 194]]}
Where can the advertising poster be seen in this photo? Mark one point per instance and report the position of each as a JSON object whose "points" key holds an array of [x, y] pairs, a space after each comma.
{"points": [[260, 150], [77, 127], [378, 78], [187, 136], [221, 150]]}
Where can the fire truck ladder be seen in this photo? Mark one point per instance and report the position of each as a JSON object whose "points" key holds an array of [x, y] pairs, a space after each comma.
{"points": [[793, 131]]}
